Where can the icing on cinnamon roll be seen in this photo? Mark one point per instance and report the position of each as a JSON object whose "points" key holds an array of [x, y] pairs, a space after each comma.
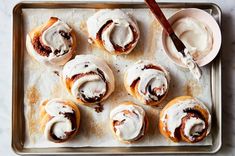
{"points": [[185, 118], [113, 30], [88, 78], [61, 120], [128, 122], [52, 43], [147, 81]]}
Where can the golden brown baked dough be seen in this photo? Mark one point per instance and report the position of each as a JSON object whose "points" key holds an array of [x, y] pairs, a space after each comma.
{"points": [[59, 120], [147, 81], [123, 116], [113, 31], [88, 78], [52, 43], [185, 118]]}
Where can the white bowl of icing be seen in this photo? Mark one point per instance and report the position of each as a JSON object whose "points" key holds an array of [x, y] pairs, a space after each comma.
{"points": [[200, 33]]}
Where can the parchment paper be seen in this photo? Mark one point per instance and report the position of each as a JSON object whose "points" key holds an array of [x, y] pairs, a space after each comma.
{"points": [[41, 82]]}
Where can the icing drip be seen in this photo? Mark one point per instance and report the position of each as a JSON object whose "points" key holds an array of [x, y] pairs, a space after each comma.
{"points": [[191, 64]]}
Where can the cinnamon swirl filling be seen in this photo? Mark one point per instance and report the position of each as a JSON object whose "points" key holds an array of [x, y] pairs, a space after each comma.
{"points": [[55, 136], [113, 30], [88, 79], [40, 47], [147, 81], [188, 120], [118, 46], [129, 122], [53, 42], [62, 124], [90, 91]]}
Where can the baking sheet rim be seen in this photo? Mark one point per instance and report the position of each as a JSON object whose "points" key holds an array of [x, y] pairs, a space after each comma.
{"points": [[215, 66]]}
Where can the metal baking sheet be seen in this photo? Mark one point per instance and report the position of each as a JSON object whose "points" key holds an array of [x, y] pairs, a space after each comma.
{"points": [[18, 126]]}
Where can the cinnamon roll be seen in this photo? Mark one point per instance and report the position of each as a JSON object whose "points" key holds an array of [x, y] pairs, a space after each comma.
{"points": [[185, 118], [53, 43], [129, 122], [60, 120], [114, 31], [88, 78], [147, 82]]}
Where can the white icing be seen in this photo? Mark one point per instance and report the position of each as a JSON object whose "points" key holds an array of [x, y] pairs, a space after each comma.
{"points": [[193, 126], [191, 64], [148, 77], [91, 84], [55, 106], [132, 123], [59, 124], [176, 112], [196, 36], [53, 41], [118, 32], [52, 38]]}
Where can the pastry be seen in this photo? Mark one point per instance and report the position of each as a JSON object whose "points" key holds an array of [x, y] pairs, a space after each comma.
{"points": [[185, 118], [129, 122], [147, 81], [53, 43], [114, 31], [88, 78], [59, 119]]}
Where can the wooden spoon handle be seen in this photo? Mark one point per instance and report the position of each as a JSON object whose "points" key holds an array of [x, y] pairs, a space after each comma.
{"points": [[159, 15]]}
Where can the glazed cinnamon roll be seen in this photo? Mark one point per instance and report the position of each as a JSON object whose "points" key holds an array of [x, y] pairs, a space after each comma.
{"points": [[60, 120], [128, 122], [185, 118], [53, 43], [88, 78], [114, 31], [147, 82]]}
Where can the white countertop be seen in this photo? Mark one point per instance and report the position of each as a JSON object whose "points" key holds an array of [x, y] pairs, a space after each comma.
{"points": [[228, 73]]}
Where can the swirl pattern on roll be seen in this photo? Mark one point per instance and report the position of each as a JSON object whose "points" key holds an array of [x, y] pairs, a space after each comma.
{"points": [[147, 81], [60, 119], [113, 30], [128, 122], [52, 43], [88, 78], [185, 118]]}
